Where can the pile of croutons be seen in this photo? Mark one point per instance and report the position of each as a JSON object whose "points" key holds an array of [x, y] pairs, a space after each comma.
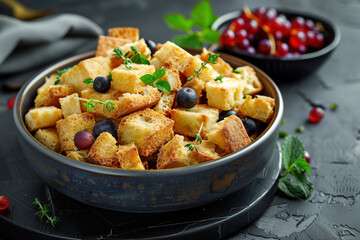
{"points": [[150, 128]]}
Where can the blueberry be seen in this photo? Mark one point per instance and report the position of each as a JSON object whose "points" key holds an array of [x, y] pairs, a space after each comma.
{"points": [[225, 114], [186, 97], [151, 45], [250, 125], [101, 84], [105, 125]]}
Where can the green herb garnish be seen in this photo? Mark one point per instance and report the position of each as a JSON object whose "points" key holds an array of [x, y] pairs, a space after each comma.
{"points": [[45, 211], [237, 72], [334, 106], [282, 122], [154, 79], [192, 146], [188, 110], [88, 81], [244, 96], [138, 57], [60, 73], [202, 16], [293, 159], [219, 78], [110, 76], [119, 54], [283, 134], [300, 129], [89, 104], [212, 58]]}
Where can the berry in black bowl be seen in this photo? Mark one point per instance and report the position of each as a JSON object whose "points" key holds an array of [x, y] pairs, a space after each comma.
{"points": [[102, 84], [105, 125], [186, 97]]}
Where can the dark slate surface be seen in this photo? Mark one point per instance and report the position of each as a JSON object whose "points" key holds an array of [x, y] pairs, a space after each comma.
{"points": [[332, 212]]}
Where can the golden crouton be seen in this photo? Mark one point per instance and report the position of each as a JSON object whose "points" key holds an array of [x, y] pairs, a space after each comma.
{"points": [[49, 137], [70, 105], [128, 33], [106, 43], [48, 81], [206, 74], [148, 129], [196, 84], [102, 152], [173, 78], [174, 154], [42, 117], [77, 155], [166, 103], [128, 157], [125, 80], [188, 122], [229, 134], [247, 76], [126, 102], [259, 107], [221, 66], [172, 56], [49, 95], [69, 126], [89, 68], [224, 95]]}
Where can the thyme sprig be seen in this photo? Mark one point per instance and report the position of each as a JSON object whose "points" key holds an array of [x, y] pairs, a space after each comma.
{"points": [[45, 212], [89, 104], [60, 73], [211, 59], [192, 146], [120, 55]]}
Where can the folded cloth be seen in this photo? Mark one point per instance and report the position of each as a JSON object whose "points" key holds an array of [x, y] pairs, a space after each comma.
{"points": [[25, 45]]}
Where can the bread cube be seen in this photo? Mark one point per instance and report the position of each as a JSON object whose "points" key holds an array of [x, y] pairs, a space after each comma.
{"points": [[102, 152], [166, 103], [251, 82], [206, 152], [173, 78], [196, 84], [69, 126], [148, 129], [79, 155], [172, 56], [125, 80], [226, 95], [221, 66], [189, 122], [70, 105], [229, 134], [106, 43], [207, 74], [49, 138], [259, 107], [156, 62], [49, 95], [128, 33], [89, 68], [128, 157], [42, 117], [48, 82]]}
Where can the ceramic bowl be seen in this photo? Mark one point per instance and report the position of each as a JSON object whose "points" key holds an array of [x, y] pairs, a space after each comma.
{"points": [[286, 69], [153, 190]]}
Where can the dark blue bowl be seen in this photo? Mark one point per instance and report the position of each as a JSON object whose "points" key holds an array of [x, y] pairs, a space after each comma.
{"points": [[146, 191], [286, 69]]}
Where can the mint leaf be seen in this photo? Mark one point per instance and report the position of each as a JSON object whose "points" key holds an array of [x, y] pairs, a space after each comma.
{"points": [[88, 81], [140, 59], [302, 165], [188, 40], [291, 189], [203, 15], [159, 73], [210, 36], [291, 150], [148, 79], [179, 22], [163, 86]]}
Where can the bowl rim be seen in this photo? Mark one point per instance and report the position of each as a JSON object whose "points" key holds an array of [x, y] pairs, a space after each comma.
{"points": [[91, 168], [330, 47]]}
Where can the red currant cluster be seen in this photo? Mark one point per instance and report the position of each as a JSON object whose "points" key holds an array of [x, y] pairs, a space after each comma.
{"points": [[264, 31]]}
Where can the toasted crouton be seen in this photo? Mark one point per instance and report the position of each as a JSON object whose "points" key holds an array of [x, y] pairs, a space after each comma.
{"points": [[68, 127], [49, 96], [128, 157], [247, 76], [259, 107], [77, 155], [229, 134], [89, 68], [148, 129], [221, 66], [42, 117], [189, 122], [125, 80], [206, 74], [48, 82], [106, 43], [224, 95], [205, 152], [166, 103], [49, 137], [70, 105], [128, 33], [102, 152], [173, 78]]}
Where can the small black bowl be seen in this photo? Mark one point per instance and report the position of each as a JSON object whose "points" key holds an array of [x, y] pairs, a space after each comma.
{"points": [[286, 69]]}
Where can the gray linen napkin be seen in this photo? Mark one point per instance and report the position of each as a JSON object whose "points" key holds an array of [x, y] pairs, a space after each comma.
{"points": [[25, 45]]}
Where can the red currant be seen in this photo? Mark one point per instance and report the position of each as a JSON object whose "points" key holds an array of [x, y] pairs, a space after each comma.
{"points": [[252, 26], [316, 114], [307, 157], [278, 23], [228, 38], [281, 50], [297, 39], [298, 23], [245, 17], [278, 35], [310, 37], [10, 103], [270, 15], [318, 41], [250, 50], [264, 46], [83, 140], [237, 24], [241, 34], [286, 28], [309, 24], [243, 43], [302, 49], [4, 202]]}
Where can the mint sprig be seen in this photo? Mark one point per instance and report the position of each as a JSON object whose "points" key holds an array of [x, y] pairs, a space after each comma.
{"points": [[293, 159], [45, 212], [138, 57], [203, 17], [154, 79]]}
